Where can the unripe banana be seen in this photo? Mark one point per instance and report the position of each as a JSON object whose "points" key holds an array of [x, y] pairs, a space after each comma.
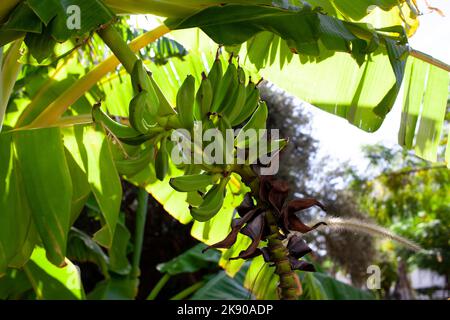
{"points": [[141, 138], [212, 202], [194, 198], [141, 81], [251, 102], [141, 118], [215, 75], [134, 165], [204, 98], [256, 122], [233, 110], [231, 97], [165, 109], [117, 129], [162, 161], [191, 169], [224, 124], [241, 75], [227, 143], [185, 102], [193, 182], [225, 88]]}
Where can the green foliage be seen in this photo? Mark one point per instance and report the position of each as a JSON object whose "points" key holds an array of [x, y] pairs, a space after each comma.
{"points": [[413, 197], [48, 187], [320, 286], [190, 261], [48, 174]]}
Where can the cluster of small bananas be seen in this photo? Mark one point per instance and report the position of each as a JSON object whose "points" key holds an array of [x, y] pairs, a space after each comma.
{"points": [[224, 100]]}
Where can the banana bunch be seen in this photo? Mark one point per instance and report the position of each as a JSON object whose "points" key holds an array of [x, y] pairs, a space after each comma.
{"points": [[226, 94], [206, 206], [144, 107], [225, 99], [212, 201], [149, 111], [162, 160], [134, 164]]}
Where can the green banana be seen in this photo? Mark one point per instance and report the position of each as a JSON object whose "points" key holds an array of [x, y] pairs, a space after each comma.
{"points": [[225, 88], [132, 166], [212, 202], [256, 122], [241, 75], [215, 74], [117, 129], [190, 169], [162, 161], [191, 182], [234, 108], [165, 109], [230, 100], [185, 102], [204, 98], [140, 139], [194, 198], [141, 81], [141, 118], [224, 124], [227, 144], [251, 102]]}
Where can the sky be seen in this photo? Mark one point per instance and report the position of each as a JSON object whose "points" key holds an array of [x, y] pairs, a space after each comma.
{"points": [[344, 141]]}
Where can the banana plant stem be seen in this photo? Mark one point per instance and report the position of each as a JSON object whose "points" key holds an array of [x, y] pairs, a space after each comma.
{"points": [[141, 216], [58, 106], [118, 46], [159, 285], [188, 291], [289, 285]]}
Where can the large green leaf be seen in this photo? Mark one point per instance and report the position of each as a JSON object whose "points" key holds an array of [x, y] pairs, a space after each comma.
{"points": [[389, 11], [13, 206], [361, 93], [80, 185], [48, 186], [274, 33], [56, 15], [13, 284], [23, 19], [425, 103], [51, 21], [52, 283], [333, 289], [191, 260], [82, 248], [102, 175], [302, 29], [223, 287], [118, 260], [116, 288]]}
